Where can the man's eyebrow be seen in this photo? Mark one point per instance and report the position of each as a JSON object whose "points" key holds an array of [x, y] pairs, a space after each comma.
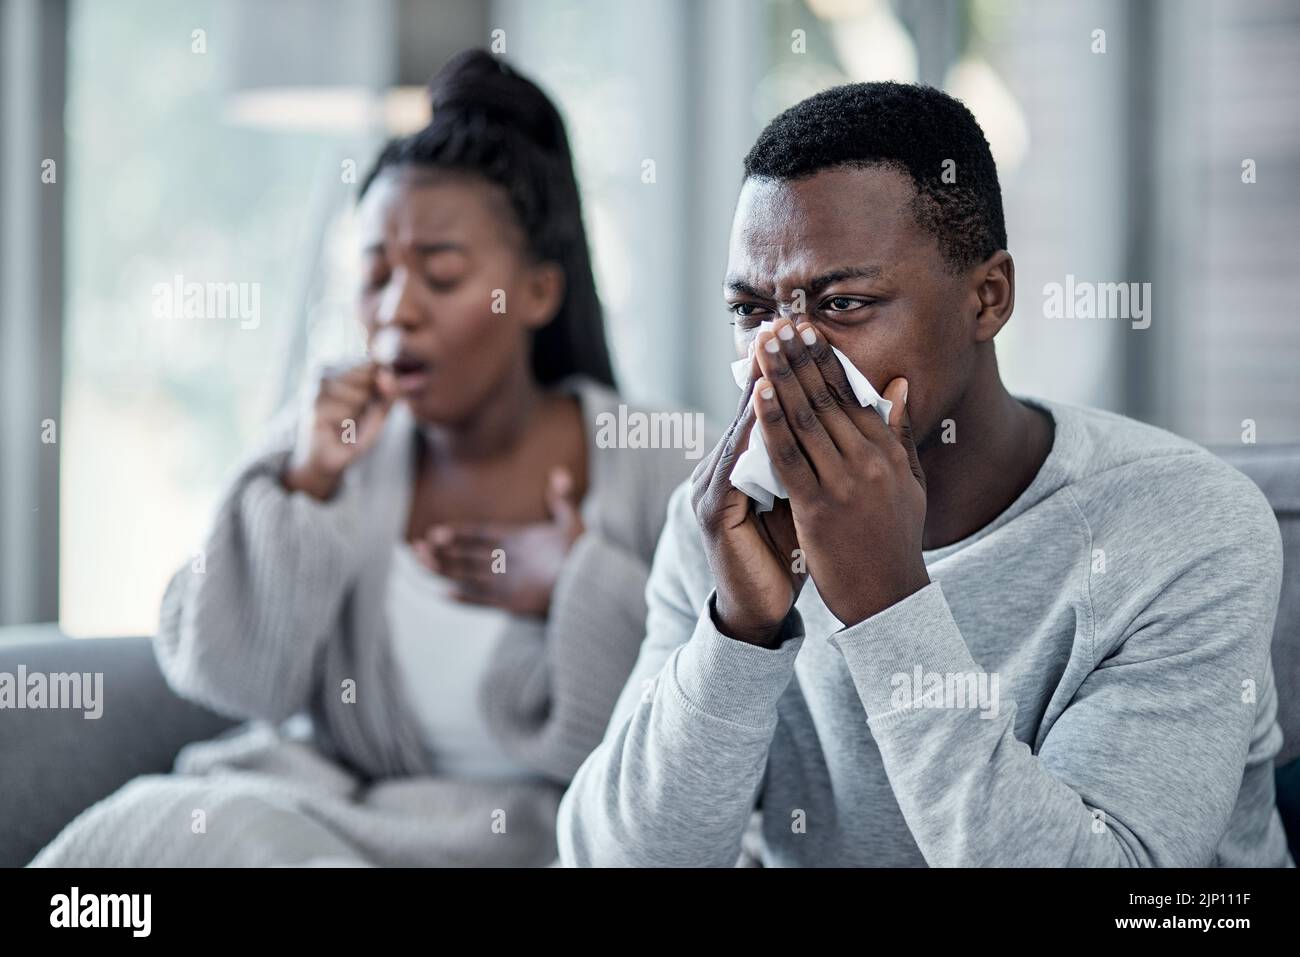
{"points": [[736, 284], [839, 275]]}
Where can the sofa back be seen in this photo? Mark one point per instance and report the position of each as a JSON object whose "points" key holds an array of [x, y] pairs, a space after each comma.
{"points": [[1276, 470]]}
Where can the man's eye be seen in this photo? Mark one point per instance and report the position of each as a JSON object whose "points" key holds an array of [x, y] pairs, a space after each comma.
{"points": [[844, 303], [744, 310]]}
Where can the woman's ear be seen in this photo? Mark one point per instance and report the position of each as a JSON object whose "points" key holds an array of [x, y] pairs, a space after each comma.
{"points": [[543, 293], [995, 280]]}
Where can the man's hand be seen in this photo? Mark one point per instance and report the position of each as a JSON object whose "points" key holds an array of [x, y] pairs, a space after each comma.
{"points": [[857, 492], [348, 417], [509, 566], [756, 569]]}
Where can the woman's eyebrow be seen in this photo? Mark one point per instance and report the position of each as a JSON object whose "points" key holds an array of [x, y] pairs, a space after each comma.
{"points": [[422, 249], [445, 246]]}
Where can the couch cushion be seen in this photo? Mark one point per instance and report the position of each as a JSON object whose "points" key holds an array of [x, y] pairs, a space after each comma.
{"points": [[56, 762]]}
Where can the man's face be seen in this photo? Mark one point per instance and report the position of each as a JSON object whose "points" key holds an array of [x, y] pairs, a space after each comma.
{"points": [[873, 281]]}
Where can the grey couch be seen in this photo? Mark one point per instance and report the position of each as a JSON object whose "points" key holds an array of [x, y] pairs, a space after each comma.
{"points": [[55, 763]]}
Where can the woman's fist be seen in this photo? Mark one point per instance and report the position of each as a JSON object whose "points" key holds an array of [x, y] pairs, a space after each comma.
{"points": [[347, 418]]}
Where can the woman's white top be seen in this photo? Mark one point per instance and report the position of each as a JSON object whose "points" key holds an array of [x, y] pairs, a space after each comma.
{"points": [[441, 649]]}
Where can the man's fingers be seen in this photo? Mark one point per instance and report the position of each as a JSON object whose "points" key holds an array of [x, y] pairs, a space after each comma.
{"points": [[788, 459], [827, 386], [866, 420], [801, 418], [752, 373], [736, 446], [712, 477], [709, 462], [900, 424], [837, 381]]}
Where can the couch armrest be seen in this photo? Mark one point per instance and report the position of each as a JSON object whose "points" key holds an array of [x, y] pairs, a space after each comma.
{"points": [[57, 762]]}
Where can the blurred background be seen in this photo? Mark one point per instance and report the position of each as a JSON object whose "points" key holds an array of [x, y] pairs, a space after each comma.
{"points": [[222, 141]]}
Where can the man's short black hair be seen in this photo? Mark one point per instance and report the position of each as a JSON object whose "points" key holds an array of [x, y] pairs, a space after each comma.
{"points": [[914, 129]]}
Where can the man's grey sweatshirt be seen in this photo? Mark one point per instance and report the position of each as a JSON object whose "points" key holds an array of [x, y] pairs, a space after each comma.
{"points": [[1086, 681]]}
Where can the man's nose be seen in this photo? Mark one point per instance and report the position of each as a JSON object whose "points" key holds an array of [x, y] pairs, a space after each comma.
{"points": [[793, 307]]}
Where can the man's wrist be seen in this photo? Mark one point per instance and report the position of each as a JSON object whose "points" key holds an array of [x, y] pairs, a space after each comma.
{"points": [[763, 636], [879, 602], [736, 681]]}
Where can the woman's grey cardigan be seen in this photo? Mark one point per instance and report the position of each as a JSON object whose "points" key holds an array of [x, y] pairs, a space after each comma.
{"points": [[284, 614]]}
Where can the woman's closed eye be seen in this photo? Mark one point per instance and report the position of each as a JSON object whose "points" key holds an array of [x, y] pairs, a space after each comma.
{"points": [[443, 270], [441, 282]]}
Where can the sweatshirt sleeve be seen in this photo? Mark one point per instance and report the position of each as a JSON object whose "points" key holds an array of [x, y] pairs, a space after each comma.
{"points": [[1143, 766], [677, 775], [243, 625]]}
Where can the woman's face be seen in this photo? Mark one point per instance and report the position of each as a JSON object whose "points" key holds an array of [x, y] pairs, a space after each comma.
{"points": [[445, 265]]}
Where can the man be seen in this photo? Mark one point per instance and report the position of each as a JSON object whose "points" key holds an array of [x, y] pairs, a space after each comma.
{"points": [[987, 632]]}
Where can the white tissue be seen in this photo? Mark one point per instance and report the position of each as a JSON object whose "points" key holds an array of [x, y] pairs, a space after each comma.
{"points": [[753, 473]]}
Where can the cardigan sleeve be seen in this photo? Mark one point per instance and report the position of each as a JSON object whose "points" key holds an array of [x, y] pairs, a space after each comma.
{"points": [[242, 626], [553, 685]]}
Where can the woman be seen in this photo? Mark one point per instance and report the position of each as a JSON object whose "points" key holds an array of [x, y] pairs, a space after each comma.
{"points": [[438, 565]]}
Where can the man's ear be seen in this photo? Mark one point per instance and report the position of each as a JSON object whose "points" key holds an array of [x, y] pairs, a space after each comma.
{"points": [[995, 280], [543, 293]]}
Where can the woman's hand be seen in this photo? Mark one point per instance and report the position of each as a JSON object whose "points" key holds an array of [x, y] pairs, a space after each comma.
{"points": [[348, 417], [508, 566]]}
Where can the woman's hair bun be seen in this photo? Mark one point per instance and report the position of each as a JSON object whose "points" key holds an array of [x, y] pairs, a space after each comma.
{"points": [[474, 81]]}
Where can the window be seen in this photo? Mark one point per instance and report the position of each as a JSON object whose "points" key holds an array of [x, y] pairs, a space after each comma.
{"points": [[186, 236]]}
